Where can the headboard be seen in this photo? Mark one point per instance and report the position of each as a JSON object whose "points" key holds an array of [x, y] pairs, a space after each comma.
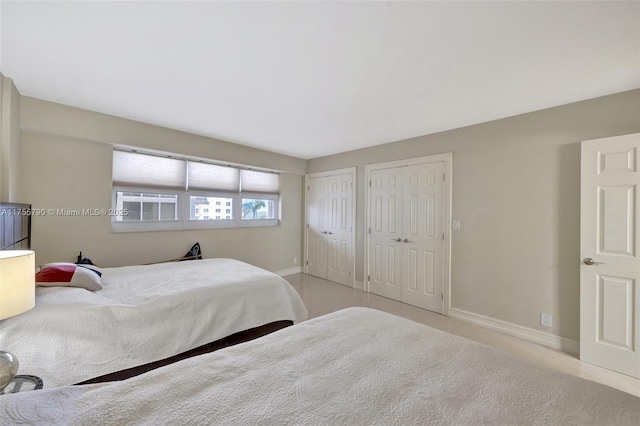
{"points": [[15, 226]]}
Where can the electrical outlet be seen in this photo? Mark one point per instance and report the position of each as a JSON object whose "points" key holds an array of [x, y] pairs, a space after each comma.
{"points": [[545, 319], [295, 260], [456, 224]]}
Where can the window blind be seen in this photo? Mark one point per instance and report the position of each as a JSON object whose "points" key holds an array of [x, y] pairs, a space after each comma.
{"points": [[133, 169], [254, 181], [213, 177]]}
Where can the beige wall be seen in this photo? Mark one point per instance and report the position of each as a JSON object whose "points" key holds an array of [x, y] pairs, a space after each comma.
{"points": [[516, 189], [48, 117], [10, 135], [66, 163]]}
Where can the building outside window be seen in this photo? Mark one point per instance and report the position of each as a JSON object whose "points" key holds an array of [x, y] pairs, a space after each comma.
{"points": [[199, 201]]}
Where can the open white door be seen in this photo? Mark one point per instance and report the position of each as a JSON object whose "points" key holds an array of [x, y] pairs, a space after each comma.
{"points": [[609, 246]]}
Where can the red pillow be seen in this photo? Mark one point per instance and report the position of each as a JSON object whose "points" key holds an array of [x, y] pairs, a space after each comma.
{"points": [[68, 275]]}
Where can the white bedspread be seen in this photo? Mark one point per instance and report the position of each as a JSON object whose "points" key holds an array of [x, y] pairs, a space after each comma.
{"points": [[353, 367], [143, 314]]}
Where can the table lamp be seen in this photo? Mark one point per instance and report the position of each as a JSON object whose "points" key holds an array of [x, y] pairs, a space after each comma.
{"points": [[17, 295]]}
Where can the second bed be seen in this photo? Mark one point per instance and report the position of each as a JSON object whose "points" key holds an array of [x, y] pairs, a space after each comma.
{"points": [[144, 314]]}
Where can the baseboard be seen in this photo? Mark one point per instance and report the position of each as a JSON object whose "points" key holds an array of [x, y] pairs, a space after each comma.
{"points": [[358, 285], [536, 336], [290, 271]]}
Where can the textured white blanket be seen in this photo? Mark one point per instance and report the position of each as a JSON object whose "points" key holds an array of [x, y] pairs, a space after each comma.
{"points": [[353, 367], [143, 314]]}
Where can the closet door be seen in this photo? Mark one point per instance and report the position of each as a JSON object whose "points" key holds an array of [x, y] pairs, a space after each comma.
{"points": [[339, 228], [329, 236], [385, 247], [423, 236], [406, 234], [317, 227]]}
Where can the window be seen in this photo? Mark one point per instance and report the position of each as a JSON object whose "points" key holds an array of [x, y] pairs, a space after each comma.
{"points": [[163, 192], [145, 206], [258, 208], [197, 201]]}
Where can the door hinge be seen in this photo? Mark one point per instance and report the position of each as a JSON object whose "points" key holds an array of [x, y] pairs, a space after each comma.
{"points": [[307, 262], [369, 183], [368, 277], [443, 236], [369, 231], [444, 177], [308, 188], [442, 296]]}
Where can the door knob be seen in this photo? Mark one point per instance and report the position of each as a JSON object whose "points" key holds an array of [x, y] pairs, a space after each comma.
{"points": [[589, 261], [397, 239], [324, 232], [330, 233], [406, 240]]}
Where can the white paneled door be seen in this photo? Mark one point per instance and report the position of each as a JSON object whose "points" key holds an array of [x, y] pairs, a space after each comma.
{"points": [[317, 190], [407, 240], [385, 229], [610, 262], [330, 227], [339, 228]]}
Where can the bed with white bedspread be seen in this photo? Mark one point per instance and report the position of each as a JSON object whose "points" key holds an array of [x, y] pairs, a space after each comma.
{"points": [[143, 314], [353, 367]]}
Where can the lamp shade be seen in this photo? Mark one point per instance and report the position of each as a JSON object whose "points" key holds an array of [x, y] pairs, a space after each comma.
{"points": [[17, 282]]}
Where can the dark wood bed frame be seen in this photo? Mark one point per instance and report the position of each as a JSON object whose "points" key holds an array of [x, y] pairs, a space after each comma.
{"points": [[15, 234], [234, 339]]}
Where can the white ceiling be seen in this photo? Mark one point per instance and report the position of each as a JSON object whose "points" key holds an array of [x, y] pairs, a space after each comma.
{"points": [[315, 78]]}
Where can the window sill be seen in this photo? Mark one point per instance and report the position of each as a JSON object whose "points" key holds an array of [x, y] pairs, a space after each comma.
{"points": [[120, 227]]}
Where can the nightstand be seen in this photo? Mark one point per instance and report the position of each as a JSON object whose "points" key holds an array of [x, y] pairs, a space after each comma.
{"points": [[22, 383]]}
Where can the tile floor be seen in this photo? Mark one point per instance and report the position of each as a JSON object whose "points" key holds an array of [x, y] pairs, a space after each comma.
{"points": [[322, 297]]}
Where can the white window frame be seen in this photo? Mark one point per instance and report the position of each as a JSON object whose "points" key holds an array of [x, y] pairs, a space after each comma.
{"points": [[211, 223], [248, 223], [147, 225], [185, 222]]}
